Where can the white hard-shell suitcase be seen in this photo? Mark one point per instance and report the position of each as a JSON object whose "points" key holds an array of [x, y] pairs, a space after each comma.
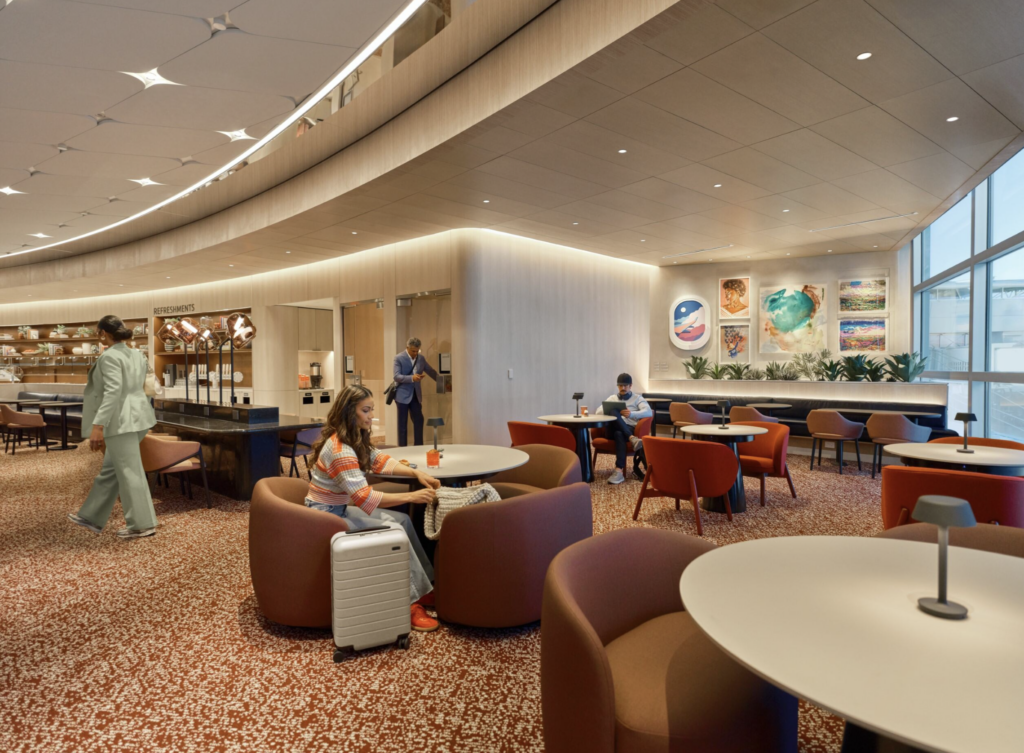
{"points": [[369, 589]]}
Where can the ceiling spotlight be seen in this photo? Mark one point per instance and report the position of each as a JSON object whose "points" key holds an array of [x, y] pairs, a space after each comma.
{"points": [[643, 240], [575, 223], [622, 151], [748, 257], [39, 235], [231, 265], [145, 182], [785, 210], [718, 185], [8, 190], [874, 247], [287, 252], [167, 278], [787, 253], [487, 201], [239, 135], [354, 233], [151, 78], [121, 285], [864, 56], [952, 119], [710, 259], [830, 250]]}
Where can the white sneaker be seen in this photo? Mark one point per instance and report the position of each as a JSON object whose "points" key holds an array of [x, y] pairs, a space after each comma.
{"points": [[617, 477], [79, 521], [135, 533], [636, 442]]}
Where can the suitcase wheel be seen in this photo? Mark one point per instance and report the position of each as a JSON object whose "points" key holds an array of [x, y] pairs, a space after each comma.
{"points": [[403, 641], [341, 653]]}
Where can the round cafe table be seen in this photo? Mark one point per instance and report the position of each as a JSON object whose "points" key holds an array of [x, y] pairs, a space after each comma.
{"points": [[731, 435], [837, 623], [580, 427], [460, 463], [997, 461]]}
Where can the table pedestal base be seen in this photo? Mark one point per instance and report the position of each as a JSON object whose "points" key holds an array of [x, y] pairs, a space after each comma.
{"points": [[859, 740], [737, 494], [582, 434]]}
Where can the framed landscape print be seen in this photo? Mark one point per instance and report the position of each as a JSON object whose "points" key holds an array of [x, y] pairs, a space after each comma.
{"points": [[734, 343], [734, 298], [689, 328], [792, 318], [865, 295], [863, 334]]}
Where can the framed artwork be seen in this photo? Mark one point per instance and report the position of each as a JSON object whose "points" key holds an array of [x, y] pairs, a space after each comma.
{"points": [[867, 334], [688, 322], [792, 318], [864, 295], [734, 343], [734, 298]]}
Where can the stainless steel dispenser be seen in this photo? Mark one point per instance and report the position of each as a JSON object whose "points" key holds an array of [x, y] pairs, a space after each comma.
{"points": [[315, 377]]}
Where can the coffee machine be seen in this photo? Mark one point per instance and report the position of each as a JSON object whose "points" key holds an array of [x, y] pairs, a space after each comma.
{"points": [[315, 377]]}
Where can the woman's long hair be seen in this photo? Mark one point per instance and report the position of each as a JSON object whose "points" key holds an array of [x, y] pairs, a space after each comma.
{"points": [[342, 421]]}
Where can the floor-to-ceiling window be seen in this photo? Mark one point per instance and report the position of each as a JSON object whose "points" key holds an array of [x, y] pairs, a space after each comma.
{"points": [[969, 299]]}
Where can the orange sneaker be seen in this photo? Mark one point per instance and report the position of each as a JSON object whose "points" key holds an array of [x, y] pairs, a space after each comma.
{"points": [[427, 600], [421, 621]]}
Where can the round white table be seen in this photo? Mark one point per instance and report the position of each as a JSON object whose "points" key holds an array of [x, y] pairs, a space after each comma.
{"points": [[731, 435], [998, 461], [580, 427], [461, 462], [835, 620]]}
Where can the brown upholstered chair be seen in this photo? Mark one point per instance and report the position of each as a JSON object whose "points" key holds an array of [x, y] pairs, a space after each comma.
{"points": [[984, 536], [18, 424], [290, 553], [892, 428], [604, 446], [829, 426], [684, 414], [491, 558], [743, 413], [624, 668], [547, 468], [161, 456], [524, 432]]}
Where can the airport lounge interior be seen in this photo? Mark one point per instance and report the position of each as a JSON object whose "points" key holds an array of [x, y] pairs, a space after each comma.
{"points": [[700, 322]]}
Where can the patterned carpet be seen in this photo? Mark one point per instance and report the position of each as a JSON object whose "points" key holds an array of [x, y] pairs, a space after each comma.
{"points": [[156, 644]]}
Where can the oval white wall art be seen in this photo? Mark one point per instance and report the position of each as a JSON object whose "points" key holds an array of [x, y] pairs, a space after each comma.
{"points": [[689, 328]]}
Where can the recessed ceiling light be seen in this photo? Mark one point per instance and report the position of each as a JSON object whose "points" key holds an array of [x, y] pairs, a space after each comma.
{"points": [[29, 295], [167, 278], [787, 253], [487, 201], [39, 235], [748, 257], [575, 223], [785, 210], [151, 78], [710, 259], [287, 252], [830, 250], [121, 285], [952, 119], [864, 56], [718, 185], [9, 191], [231, 265], [145, 182], [874, 247], [675, 262], [622, 151], [239, 135], [643, 240]]}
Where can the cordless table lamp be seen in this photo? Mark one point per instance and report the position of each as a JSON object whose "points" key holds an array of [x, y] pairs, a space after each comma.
{"points": [[724, 406], [435, 422], [943, 512], [966, 418], [577, 396]]}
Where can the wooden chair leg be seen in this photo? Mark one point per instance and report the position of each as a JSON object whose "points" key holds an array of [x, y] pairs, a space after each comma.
{"points": [[643, 492], [792, 489], [762, 489], [695, 500]]}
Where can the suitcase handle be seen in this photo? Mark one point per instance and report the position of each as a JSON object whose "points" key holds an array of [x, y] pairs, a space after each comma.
{"points": [[372, 529]]}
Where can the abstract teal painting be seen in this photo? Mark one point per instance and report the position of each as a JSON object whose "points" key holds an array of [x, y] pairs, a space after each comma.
{"points": [[792, 318]]}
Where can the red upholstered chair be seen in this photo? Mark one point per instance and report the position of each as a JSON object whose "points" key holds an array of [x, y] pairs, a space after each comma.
{"points": [[829, 426], [765, 455], [624, 667], [687, 469], [523, 432], [684, 414], [984, 536], [743, 414], [994, 499], [892, 428], [604, 446], [1006, 444]]}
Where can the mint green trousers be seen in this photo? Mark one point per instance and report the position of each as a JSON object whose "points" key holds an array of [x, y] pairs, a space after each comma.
{"points": [[121, 476]]}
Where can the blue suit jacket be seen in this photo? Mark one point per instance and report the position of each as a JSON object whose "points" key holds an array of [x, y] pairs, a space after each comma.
{"points": [[404, 369]]}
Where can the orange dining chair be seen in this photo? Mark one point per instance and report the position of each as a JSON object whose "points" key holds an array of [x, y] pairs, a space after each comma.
{"points": [[1006, 444], [18, 424], [993, 499], [524, 432], [892, 428], [765, 454], [604, 446], [684, 414], [299, 444], [829, 426], [162, 457], [743, 414], [687, 469]]}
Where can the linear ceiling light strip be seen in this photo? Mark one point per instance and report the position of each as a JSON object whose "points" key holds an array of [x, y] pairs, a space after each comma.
{"points": [[698, 251], [863, 222], [301, 110]]}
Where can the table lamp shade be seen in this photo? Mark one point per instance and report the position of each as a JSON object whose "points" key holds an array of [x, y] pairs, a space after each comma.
{"points": [[241, 330], [966, 417], [724, 405], [944, 512], [577, 396], [435, 422]]}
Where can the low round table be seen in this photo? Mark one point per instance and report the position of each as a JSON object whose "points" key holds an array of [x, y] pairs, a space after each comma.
{"points": [[461, 463], [769, 407], [580, 427], [997, 461], [731, 435], [836, 622], [653, 402]]}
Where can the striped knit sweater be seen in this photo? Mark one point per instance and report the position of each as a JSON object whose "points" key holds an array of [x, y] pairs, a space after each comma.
{"points": [[337, 479]]}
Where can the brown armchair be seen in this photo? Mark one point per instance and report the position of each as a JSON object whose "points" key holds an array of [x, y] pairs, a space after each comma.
{"points": [[829, 426], [623, 666], [289, 553], [548, 467], [684, 414], [491, 559], [892, 428], [745, 414]]}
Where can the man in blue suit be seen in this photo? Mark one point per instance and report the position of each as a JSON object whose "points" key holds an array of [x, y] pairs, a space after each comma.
{"points": [[410, 368]]}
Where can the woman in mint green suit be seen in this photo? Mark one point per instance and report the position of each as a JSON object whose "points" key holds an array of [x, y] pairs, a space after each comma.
{"points": [[117, 414]]}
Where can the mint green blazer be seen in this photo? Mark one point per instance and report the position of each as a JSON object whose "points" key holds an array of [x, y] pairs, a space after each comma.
{"points": [[114, 396]]}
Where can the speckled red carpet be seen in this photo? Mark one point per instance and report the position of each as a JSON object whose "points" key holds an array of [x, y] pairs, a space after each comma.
{"points": [[156, 644]]}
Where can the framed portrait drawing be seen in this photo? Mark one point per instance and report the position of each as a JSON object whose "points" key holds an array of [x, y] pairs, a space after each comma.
{"points": [[689, 326], [734, 343], [734, 298]]}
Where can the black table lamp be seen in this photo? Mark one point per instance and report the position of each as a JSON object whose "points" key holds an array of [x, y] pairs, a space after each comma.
{"points": [[966, 418], [943, 512], [723, 405], [435, 422], [577, 396]]}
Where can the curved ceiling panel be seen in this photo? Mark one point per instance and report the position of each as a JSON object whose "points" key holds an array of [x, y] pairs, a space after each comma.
{"points": [[321, 21], [194, 8], [156, 141], [54, 88], [199, 108], [37, 127]]}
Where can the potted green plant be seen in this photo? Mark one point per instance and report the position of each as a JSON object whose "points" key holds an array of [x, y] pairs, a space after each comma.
{"points": [[831, 370], [854, 368], [83, 332], [717, 371], [737, 370], [755, 375], [780, 372], [697, 367], [904, 367]]}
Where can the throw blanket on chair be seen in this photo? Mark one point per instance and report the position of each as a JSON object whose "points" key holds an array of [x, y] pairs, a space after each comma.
{"points": [[453, 499]]}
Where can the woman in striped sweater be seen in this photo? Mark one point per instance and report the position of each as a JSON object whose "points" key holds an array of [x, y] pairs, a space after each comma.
{"points": [[338, 486]]}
